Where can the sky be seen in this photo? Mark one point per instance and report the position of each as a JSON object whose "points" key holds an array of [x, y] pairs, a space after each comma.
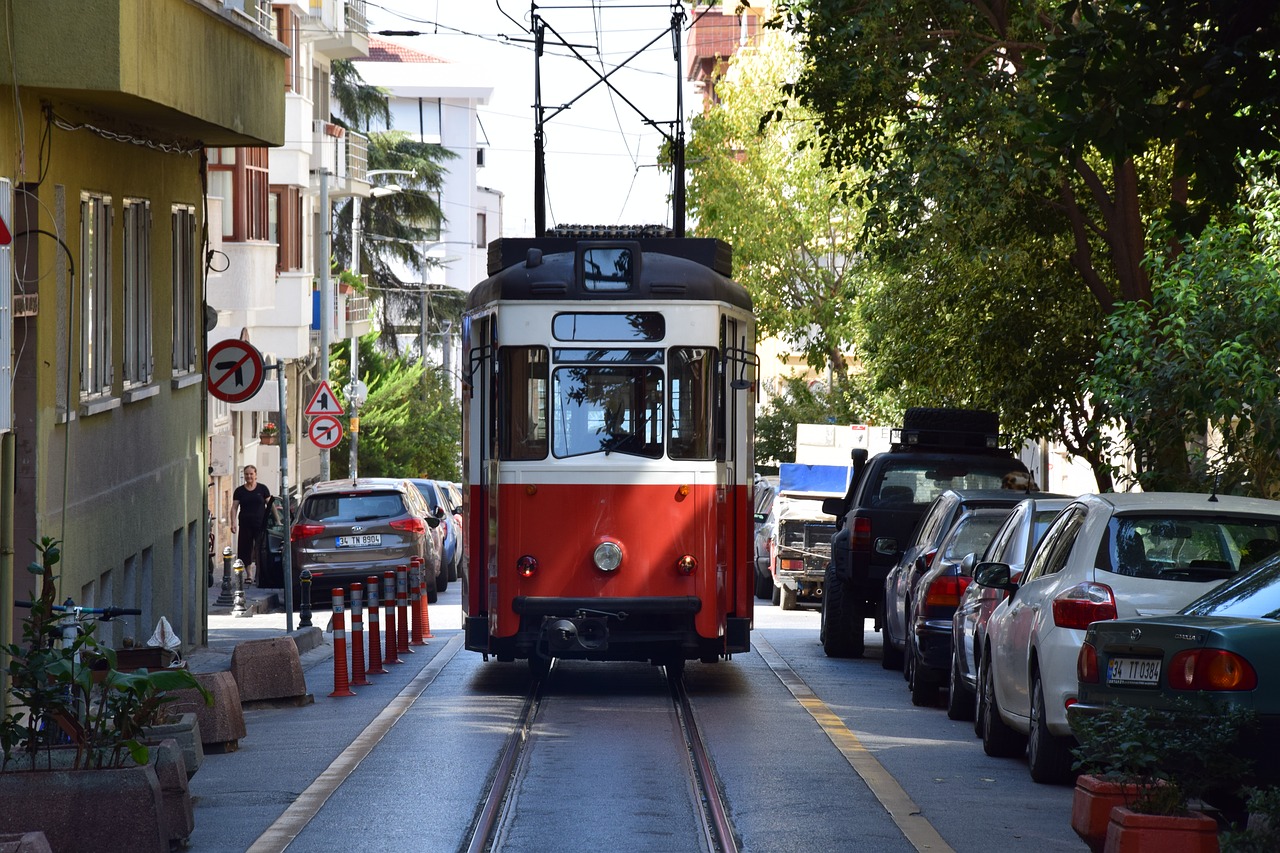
{"points": [[601, 154]]}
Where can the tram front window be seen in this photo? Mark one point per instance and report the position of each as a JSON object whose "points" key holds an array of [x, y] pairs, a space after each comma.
{"points": [[607, 409]]}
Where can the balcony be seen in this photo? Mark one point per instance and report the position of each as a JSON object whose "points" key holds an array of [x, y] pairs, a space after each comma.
{"points": [[345, 155], [349, 36]]}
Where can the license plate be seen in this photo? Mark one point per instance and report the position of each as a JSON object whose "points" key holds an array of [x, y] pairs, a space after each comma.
{"points": [[359, 541], [1140, 671]]}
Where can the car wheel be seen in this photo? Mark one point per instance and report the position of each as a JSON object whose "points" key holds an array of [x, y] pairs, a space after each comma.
{"points": [[764, 586], [998, 739], [787, 598], [892, 657], [959, 697], [980, 705], [843, 622], [452, 571], [775, 594], [442, 581], [433, 594], [1048, 756], [922, 681]]}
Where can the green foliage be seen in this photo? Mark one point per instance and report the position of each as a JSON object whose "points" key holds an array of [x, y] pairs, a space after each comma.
{"points": [[1171, 755], [410, 424], [74, 684], [1265, 836], [1196, 366]]}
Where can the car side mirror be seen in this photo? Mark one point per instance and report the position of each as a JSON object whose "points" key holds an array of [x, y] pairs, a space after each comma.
{"points": [[833, 506], [887, 546], [439, 513], [433, 521], [967, 564], [994, 575]]}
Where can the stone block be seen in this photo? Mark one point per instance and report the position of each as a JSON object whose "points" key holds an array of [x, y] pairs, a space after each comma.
{"points": [[269, 671], [171, 770], [222, 724]]}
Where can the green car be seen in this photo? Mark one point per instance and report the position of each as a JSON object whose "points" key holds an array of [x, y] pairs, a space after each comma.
{"points": [[1222, 646]]}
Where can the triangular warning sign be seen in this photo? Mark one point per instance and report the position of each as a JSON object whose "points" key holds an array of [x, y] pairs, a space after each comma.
{"points": [[323, 402]]}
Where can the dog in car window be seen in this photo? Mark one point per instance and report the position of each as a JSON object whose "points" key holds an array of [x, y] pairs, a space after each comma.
{"points": [[1019, 481]]}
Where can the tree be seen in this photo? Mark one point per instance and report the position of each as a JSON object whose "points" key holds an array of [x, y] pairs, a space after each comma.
{"points": [[1107, 122], [765, 191], [409, 423], [798, 402], [1206, 348]]}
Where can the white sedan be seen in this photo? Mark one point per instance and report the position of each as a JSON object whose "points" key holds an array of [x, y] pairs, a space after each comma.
{"points": [[1104, 557]]}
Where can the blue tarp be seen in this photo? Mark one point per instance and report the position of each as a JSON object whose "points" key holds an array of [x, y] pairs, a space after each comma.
{"points": [[825, 481]]}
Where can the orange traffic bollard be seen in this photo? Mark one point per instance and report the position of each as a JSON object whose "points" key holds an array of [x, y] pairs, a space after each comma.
{"points": [[415, 604], [375, 629], [426, 600], [340, 685], [402, 609], [391, 654], [357, 636]]}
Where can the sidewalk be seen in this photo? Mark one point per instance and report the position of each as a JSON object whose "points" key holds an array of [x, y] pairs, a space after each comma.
{"points": [[264, 618]]}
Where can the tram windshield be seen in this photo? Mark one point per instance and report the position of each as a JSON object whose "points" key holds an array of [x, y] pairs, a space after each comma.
{"points": [[632, 401]]}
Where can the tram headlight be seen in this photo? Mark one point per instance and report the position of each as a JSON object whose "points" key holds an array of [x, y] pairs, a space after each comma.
{"points": [[527, 566], [687, 564], [607, 556]]}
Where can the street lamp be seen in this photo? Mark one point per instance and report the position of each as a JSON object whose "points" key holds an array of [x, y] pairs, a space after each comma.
{"points": [[356, 389]]}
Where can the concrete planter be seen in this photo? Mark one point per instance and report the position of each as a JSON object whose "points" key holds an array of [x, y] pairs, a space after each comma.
{"points": [[88, 810], [1131, 832], [186, 731]]}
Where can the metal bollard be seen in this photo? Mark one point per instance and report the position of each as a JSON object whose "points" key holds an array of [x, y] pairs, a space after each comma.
{"points": [[415, 604], [304, 594], [390, 654], [357, 636], [341, 685], [224, 596], [239, 609], [402, 609], [375, 635]]}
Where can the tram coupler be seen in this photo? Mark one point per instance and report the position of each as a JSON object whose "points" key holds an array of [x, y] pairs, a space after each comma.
{"points": [[579, 633]]}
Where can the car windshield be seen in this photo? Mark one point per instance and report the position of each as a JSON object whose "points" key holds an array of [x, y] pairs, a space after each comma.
{"points": [[973, 533], [363, 506], [1253, 595], [1186, 547]]}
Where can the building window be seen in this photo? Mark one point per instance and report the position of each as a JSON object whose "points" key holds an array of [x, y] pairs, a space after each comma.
{"points": [[286, 227], [239, 176], [95, 300], [482, 238], [137, 292], [184, 289], [287, 33]]}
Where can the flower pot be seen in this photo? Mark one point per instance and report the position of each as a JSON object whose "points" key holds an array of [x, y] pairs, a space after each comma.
{"points": [[1091, 805], [1131, 832], [268, 439]]}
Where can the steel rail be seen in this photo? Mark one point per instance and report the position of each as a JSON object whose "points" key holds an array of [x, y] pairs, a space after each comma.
{"points": [[712, 810]]}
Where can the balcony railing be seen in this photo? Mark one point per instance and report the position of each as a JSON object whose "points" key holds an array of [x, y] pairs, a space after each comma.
{"points": [[344, 153], [359, 308], [257, 11]]}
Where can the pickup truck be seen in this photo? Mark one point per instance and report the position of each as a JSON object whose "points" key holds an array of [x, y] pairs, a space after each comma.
{"points": [[935, 450]]}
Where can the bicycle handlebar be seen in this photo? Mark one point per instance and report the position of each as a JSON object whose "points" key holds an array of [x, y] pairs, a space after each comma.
{"points": [[104, 614]]}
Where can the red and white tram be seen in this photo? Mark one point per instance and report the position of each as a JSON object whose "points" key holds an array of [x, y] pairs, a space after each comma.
{"points": [[607, 451]]}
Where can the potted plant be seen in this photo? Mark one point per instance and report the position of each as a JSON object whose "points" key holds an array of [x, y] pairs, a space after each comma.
{"points": [[1147, 771], [268, 433], [78, 731]]}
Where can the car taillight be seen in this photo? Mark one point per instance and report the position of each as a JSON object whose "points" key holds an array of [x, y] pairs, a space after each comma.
{"points": [[1083, 604], [1087, 664], [946, 592], [304, 531], [1211, 669], [412, 525], [860, 536]]}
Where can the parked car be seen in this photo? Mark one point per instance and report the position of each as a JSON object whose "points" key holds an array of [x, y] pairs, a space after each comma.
{"points": [[936, 450], [1221, 647], [1103, 557], [1012, 544], [766, 526], [899, 584], [439, 498], [936, 595], [347, 530]]}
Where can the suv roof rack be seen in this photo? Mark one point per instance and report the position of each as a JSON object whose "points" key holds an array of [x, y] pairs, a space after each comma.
{"points": [[942, 439]]}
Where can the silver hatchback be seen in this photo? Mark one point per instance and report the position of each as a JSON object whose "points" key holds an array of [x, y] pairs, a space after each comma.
{"points": [[347, 530]]}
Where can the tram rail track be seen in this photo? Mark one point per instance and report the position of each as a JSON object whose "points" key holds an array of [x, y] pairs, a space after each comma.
{"points": [[715, 826]]}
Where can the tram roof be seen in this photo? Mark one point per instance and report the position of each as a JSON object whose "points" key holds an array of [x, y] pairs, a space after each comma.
{"points": [[523, 268]]}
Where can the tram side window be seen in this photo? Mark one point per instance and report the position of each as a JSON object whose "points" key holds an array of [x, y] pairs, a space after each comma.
{"points": [[522, 422], [692, 373]]}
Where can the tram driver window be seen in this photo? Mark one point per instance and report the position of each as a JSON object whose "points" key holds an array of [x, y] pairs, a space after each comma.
{"points": [[522, 420], [692, 372], [607, 409]]}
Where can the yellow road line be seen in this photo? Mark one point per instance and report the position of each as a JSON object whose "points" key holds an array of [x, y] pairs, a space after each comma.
{"points": [[280, 834], [902, 809]]}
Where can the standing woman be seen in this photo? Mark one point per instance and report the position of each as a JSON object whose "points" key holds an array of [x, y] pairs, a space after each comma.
{"points": [[249, 510]]}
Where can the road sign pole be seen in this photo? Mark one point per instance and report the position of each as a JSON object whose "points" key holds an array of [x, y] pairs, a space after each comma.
{"points": [[286, 548], [326, 296]]}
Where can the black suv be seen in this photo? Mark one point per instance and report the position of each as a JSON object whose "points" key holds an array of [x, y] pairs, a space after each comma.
{"points": [[935, 450]]}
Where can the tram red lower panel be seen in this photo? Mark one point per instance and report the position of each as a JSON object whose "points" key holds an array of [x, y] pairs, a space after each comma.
{"points": [[556, 528]]}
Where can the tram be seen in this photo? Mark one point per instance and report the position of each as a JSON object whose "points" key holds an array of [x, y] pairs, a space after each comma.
{"points": [[608, 404]]}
